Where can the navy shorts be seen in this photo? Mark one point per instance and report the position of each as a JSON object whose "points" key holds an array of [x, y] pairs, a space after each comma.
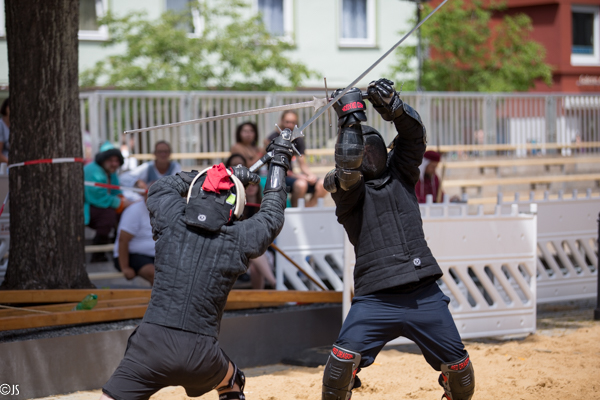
{"points": [[289, 183], [158, 356], [421, 316], [136, 261]]}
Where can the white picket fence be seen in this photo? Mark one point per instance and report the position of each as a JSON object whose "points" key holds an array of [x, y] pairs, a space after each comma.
{"points": [[567, 258]]}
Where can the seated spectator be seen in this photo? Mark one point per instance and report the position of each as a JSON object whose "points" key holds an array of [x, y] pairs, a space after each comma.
{"points": [[152, 171], [4, 130], [134, 247], [306, 182], [428, 183], [246, 137], [102, 206], [260, 269]]}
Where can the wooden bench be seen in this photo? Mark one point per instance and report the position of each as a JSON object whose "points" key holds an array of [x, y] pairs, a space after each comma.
{"points": [[482, 164], [519, 180]]}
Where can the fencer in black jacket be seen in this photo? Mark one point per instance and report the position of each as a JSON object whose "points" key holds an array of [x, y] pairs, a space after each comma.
{"points": [[176, 344], [395, 274]]}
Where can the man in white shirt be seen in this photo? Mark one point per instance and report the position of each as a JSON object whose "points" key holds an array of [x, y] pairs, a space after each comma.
{"points": [[134, 247]]}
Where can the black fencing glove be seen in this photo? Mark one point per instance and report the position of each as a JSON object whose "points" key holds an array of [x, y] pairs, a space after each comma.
{"points": [[187, 177], [245, 176], [330, 182], [385, 100], [283, 149], [350, 108]]}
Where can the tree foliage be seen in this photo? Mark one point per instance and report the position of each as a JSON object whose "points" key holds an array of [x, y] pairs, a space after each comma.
{"points": [[230, 51], [466, 54]]}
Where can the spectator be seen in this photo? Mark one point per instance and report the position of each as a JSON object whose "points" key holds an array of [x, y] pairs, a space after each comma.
{"points": [[134, 247], [151, 171], [306, 182], [4, 130], [428, 183], [246, 137], [102, 206], [260, 268]]}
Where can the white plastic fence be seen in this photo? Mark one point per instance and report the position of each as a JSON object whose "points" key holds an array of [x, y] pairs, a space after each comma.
{"points": [[488, 262], [567, 254]]}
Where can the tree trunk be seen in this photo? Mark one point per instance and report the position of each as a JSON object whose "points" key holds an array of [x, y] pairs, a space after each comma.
{"points": [[46, 200]]}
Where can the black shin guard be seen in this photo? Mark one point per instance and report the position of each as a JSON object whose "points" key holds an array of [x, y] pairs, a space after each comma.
{"points": [[237, 377], [340, 373], [458, 379]]}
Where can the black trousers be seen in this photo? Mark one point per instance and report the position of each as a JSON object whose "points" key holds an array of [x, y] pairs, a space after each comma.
{"points": [[421, 316]]}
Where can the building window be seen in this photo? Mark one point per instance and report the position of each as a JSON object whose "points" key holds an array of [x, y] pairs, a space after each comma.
{"points": [[586, 34], [357, 23], [90, 11], [277, 16], [196, 25]]}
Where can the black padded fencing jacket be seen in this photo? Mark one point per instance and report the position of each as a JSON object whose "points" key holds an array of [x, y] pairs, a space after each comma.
{"points": [[383, 220], [196, 269]]}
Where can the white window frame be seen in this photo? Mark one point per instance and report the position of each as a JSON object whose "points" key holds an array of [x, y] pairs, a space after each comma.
{"points": [[197, 20], [588, 59], [102, 32], [370, 40], [2, 16], [288, 19]]}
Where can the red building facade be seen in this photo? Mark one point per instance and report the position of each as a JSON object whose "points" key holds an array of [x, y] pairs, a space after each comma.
{"points": [[570, 32]]}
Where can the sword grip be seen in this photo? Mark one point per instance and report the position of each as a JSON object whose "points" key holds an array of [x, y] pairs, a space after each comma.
{"points": [[263, 160]]}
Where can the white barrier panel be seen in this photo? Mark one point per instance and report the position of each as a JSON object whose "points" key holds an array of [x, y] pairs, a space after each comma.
{"points": [[567, 261], [488, 263], [314, 239]]}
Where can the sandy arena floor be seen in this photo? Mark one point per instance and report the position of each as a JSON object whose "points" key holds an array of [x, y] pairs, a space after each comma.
{"points": [[561, 361]]}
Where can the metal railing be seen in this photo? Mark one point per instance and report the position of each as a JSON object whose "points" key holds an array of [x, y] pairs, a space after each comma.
{"points": [[450, 119]]}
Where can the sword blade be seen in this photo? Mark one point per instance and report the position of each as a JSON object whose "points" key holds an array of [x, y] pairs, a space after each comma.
{"points": [[351, 85], [315, 102]]}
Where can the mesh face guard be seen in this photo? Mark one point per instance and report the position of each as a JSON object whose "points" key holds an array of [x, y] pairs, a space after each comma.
{"points": [[210, 210], [374, 162]]}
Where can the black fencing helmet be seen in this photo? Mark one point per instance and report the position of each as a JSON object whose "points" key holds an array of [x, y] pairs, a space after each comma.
{"points": [[210, 210], [375, 154]]}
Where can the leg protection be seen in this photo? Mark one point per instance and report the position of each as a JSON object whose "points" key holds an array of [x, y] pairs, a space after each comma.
{"points": [[458, 379], [237, 377], [339, 375]]}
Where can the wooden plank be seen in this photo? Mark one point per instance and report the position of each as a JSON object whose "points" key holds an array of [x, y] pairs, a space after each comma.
{"points": [[72, 317], [520, 180], [67, 295], [75, 295], [69, 306], [521, 162], [284, 296], [99, 248]]}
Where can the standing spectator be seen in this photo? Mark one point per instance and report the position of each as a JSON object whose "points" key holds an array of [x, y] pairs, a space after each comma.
{"points": [[134, 247], [428, 183], [102, 206], [4, 130], [152, 171], [306, 182], [246, 143]]}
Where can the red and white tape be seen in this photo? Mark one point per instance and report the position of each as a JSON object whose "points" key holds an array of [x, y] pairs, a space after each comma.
{"points": [[108, 186], [48, 161]]}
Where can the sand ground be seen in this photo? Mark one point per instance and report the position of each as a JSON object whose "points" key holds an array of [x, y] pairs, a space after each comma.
{"points": [[561, 361]]}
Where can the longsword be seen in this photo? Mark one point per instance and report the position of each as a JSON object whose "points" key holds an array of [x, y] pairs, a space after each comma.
{"points": [[315, 102]]}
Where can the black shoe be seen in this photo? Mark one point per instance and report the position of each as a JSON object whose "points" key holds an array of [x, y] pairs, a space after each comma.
{"points": [[98, 258]]}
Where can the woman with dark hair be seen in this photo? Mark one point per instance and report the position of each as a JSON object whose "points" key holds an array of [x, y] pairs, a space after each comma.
{"points": [[246, 137], [4, 130]]}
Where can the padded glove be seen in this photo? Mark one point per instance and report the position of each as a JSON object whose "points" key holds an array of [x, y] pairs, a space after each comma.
{"points": [[283, 149], [245, 176], [385, 100]]}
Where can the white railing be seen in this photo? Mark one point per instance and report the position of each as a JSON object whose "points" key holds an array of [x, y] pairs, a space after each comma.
{"points": [[567, 253], [450, 118]]}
